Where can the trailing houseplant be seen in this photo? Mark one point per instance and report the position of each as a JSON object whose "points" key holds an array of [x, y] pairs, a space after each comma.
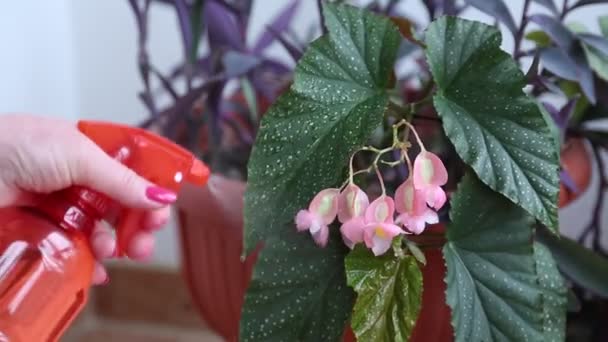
{"points": [[467, 159], [218, 124]]}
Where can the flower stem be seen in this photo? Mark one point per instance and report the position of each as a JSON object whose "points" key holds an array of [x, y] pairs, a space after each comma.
{"points": [[350, 169], [380, 180], [379, 153], [398, 144], [409, 125], [409, 162]]}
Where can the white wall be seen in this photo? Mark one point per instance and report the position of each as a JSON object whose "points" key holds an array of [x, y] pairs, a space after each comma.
{"points": [[77, 59], [37, 58]]}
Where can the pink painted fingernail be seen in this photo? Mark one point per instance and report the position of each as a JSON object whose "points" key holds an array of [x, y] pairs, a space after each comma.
{"points": [[106, 281], [161, 195]]}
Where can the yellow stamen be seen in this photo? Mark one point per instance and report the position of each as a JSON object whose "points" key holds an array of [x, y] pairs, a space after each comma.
{"points": [[380, 232]]}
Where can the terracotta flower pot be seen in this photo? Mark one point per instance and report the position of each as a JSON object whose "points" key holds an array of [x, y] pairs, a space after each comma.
{"points": [[211, 226], [575, 159]]}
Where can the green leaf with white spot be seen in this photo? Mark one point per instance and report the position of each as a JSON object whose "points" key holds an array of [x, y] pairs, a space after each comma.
{"points": [[415, 251], [389, 294], [555, 295], [493, 283], [494, 126], [338, 98]]}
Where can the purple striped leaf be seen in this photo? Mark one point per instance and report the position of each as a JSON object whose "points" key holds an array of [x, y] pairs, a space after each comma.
{"points": [[571, 66], [290, 47], [443, 7], [183, 17], [598, 42], [222, 30], [237, 64], [269, 78], [588, 2], [551, 109], [549, 85], [568, 182], [496, 9], [555, 29], [558, 62], [280, 23], [185, 101], [548, 4], [562, 117]]}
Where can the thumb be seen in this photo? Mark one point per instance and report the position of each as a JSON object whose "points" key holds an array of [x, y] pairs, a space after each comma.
{"points": [[93, 168]]}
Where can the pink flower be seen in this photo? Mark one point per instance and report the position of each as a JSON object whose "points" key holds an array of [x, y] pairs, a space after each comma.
{"points": [[321, 212], [352, 231], [429, 175], [380, 229], [410, 203], [351, 207], [351, 203]]}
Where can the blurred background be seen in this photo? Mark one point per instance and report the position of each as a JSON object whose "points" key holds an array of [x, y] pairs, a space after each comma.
{"points": [[79, 60]]}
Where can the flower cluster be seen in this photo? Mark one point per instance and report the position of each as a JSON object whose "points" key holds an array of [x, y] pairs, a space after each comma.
{"points": [[375, 224]]}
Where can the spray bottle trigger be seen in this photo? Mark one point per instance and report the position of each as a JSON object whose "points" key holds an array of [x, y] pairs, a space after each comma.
{"points": [[152, 157]]}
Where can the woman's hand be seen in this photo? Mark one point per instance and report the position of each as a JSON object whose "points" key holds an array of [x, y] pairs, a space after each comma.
{"points": [[40, 155]]}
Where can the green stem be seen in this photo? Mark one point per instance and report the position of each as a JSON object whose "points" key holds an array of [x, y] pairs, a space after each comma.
{"points": [[379, 153], [410, 127], [400, 112], [427, 100], [408, 112]]}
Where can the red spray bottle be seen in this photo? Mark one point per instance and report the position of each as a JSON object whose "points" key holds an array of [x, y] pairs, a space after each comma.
{"points": [[46, 263]]}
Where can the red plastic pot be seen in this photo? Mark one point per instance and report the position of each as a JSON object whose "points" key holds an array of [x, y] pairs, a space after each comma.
{"points": [[211, 228], [433, 324]]}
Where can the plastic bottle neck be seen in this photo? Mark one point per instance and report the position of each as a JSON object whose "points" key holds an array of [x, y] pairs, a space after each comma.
{"points": [[79, 208], [76, 208]]}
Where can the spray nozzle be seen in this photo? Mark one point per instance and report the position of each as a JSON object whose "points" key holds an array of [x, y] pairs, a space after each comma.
{"points": [[152, 157]]}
